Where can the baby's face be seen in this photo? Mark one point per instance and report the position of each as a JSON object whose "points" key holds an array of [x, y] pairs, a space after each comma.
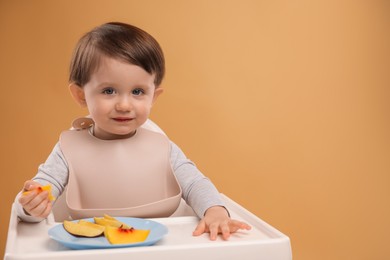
{"points": [[119, 98]]}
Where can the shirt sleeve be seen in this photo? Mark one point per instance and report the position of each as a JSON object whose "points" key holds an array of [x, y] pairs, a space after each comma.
{"points": [[198, 191], [54, 172]]}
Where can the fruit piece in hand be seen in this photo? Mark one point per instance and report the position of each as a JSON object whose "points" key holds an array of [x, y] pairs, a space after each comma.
{"points": [[120, 235], [83, 228], [42, 188]]}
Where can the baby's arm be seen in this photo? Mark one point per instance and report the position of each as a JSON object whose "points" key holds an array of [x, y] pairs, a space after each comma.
{"points": [[204, 198]]}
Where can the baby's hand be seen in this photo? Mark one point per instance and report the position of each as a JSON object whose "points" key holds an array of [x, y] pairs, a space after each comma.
{"points": [[217, 221], [35, 202]]}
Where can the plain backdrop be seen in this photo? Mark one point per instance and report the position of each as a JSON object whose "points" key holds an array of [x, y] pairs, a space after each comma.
{"points": [[284, 105]]}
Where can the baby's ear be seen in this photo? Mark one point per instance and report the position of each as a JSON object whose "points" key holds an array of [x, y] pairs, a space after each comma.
{"points": [[157, 92], [78, 94]]}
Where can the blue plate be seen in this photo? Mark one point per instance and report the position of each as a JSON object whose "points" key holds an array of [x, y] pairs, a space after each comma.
{"points": [[157, 232]]}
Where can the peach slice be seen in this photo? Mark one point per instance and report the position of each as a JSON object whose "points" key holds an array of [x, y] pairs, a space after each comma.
{"points": [[110, 221], [106, 216], [42, 188], [120, 235], [83, 228]]}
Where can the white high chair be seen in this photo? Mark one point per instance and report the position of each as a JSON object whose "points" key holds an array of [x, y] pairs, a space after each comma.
{"points": [[60, 212]]}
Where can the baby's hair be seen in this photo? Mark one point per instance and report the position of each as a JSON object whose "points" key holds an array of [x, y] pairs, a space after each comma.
{"points": [[119, 41]]}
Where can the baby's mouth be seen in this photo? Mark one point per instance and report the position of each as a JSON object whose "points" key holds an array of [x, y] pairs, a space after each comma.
{"points": [[122, 119]]}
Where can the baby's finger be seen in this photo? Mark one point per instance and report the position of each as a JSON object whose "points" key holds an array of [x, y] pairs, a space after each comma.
{"points": [[213, 229], [43, 210], [39, 209], [27, 196], [225, 231], [200, 228], [47, 211], [29, 185], [235, 225]]}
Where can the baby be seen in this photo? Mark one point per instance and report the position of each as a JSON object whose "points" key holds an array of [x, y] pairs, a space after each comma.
{"points": [[116, 72]]}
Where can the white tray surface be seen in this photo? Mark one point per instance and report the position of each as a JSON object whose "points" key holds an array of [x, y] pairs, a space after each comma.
{"points": [[31, 241]]}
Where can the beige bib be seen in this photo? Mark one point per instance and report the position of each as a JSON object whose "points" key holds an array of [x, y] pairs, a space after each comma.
{"points": [[126, 177]]}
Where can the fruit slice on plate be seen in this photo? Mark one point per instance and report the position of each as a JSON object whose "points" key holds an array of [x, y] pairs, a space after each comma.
{"points": [[106, 216], [83, 228], [107, 220], [42, 188], [120, 235]]}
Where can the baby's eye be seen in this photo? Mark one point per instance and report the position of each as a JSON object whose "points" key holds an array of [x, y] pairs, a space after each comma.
{"points": [[108, 91], [138, 91]]}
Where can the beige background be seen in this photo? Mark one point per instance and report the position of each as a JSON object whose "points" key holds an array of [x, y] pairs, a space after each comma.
{"points": [[283, 104]]}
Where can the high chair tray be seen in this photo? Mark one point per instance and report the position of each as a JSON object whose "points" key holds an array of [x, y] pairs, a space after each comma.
{"points": [[31, 241]]}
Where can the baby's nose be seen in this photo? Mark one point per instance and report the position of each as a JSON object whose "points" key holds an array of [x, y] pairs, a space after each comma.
{"points": [[123, 104]]}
